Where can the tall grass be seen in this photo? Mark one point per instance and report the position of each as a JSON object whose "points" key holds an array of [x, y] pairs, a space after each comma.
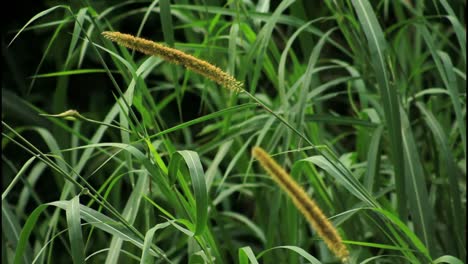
{"points": [[362, 102]]}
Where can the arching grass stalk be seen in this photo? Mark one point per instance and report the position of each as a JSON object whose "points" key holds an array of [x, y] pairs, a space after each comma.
{"points": [[304, 203], [192, 63]]}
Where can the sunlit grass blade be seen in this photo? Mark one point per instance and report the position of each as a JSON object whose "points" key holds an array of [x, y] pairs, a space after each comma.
{"points": [[295, 249], [69, 72], [246, 256], [447, 259]]}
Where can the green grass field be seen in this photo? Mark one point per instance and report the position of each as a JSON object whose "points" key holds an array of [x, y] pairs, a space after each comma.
{"points": [[362, 102]]}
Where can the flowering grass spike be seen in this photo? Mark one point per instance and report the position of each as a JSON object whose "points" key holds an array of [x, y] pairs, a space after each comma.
{"points": [[304, 203], [177, 57]]}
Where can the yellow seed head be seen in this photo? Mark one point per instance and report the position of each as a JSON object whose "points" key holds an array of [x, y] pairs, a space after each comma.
{"points": [[177, 57], [304, 203]]}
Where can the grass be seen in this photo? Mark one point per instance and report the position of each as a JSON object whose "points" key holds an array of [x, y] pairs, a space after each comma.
{"points": [[362, 102]]}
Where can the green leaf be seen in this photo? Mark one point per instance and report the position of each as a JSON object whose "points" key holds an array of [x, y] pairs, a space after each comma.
{"points": [[307, 79], [23, 241], [11, 230], [197, 176], [416, 183], [102, 222], [298, 250], [258, 49], [79, 18], [130, 212], [251, 225], [17, 177], [36, 17], [74, 231], [282, 64], [449, 169], [445, 68], [145, 17], [452, 87], [373, 160], [146, 257], [460, 31], [377, 48], [245, 255], [447, 259], [408, 233], [347, 180], [211, 171], [69, 72]]}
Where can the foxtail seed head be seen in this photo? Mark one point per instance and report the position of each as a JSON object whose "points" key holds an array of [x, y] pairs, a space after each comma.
{"points": [[304, 203], [177, 57]]}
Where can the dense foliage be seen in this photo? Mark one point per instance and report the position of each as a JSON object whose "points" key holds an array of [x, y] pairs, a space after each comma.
{"points": [[112, 155]]}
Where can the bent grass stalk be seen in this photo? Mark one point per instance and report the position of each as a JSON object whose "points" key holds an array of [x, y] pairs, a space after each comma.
{"points": [[304, 203], [192, 63], [177, 57]]}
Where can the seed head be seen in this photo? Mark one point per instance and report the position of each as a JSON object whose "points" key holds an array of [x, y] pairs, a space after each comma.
{"points": [[177, 57], [304, 203]]}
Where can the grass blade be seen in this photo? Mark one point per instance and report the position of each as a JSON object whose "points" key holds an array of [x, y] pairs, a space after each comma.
{"points": [[11, 230], [197, 176], [377, 48], [452, 88], [17, 177], [130, 212], [458, 28], [246, 256], [74, 231], [448, 259], [36, 17], [146, 257], [373, 159], [445, 68], [417, 194], [449, 169], [298, 250]]}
